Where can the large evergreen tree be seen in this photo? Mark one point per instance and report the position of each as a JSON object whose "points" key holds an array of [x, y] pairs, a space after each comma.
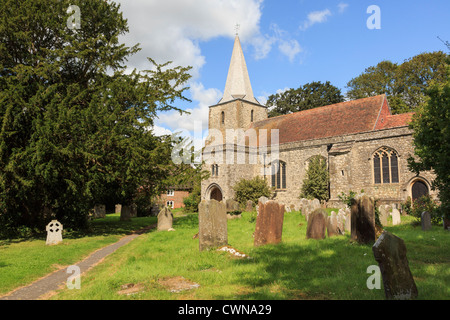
{"points": [[74, 125]]}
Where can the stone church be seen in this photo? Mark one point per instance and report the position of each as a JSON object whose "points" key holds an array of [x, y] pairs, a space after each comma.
{"points": [[365, 146]]}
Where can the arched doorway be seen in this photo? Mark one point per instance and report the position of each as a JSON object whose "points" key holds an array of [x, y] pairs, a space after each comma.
{"points": [[216, 194], [418, 189]]}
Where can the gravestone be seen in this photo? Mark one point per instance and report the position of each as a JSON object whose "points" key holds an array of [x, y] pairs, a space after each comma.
{"points": [[54, 232], [425, 220], [118, 208], [133, 210], [249, 207], [269, 223], [363, 220], [125, 213], [384, 214], [332, 225], [263, 200], [212, 224], [232, 205], [165, 219], [396, 220], [99, 211], [390, 253], [317, 224]]}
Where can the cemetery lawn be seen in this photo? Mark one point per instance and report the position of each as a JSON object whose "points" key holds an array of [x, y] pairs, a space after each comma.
{"points": [[24, 261], [334, 268]]}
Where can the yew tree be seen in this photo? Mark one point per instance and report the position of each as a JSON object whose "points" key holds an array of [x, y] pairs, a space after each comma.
{"points": [[74, 125]]}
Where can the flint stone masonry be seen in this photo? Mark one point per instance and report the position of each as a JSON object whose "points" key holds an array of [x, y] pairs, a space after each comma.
{"points": [[390, 253], [317, 224], [54, 232], [212, 224], [165, 219], [426, 221], [269, 223], [363, 220]]}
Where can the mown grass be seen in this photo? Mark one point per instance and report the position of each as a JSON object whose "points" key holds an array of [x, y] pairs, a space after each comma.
{"points": [[24, 261], [334, 268]]}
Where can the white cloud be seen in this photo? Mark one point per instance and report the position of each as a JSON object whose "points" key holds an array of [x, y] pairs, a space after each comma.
{"points": [[290, 48], [171, 30], [342, 7], [315, 17]]}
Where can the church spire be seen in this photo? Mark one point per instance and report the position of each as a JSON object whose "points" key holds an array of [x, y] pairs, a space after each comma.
{"points": [[238, 82]]}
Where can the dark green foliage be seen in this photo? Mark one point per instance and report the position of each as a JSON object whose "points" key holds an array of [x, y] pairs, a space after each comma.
{"points": [[431, 125], [317, 180], [251, 190], [74, 126], [425, 203], [311, 95]]}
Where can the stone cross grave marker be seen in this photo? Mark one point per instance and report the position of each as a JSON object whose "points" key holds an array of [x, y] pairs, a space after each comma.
{"points": [[54, 232]]}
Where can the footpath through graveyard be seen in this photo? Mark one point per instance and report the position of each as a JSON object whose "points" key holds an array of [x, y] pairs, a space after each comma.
{"points": [[40, 289]]}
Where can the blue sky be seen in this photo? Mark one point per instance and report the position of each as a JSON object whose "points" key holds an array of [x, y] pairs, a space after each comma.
{"points": [[286, 43]]}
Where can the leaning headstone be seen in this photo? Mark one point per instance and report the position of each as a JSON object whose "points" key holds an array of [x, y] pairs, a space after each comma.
{"points": [[165, 219], [363, 220], [269, 223], [390, 253], [125, 213], [54, 232], [249, 207], [396, 220], [317, 224], [212, 224], [118, 208], [426, 221]]}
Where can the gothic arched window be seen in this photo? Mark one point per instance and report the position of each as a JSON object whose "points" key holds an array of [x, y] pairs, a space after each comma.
{"points": [[385, 166], [279, 174]]}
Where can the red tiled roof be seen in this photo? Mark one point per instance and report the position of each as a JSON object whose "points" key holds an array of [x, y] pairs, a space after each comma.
{"points": [[397, 120], [334, 120]]}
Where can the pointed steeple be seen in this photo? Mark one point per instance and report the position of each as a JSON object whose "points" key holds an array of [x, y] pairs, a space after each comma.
{"points": [[238, 82]]}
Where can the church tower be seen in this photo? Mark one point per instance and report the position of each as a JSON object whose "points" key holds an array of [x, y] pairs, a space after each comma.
{"points": [[238, 107]]}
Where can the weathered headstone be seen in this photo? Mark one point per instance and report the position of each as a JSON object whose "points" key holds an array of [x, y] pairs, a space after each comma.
{"points": [[249, 207], [99, 211], [263, 200], [232, 205], [384, 214], [396, 220], [133, 210], [390, 253], [165, 219], [269, 223], [125, 213], [317, 224], [332, 225], [426, 221], [54, 232], [363, 220], [118, 208], [212, 224]]}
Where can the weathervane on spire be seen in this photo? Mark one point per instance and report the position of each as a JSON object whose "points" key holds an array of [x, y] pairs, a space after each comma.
{"points": [[237, 27]]}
